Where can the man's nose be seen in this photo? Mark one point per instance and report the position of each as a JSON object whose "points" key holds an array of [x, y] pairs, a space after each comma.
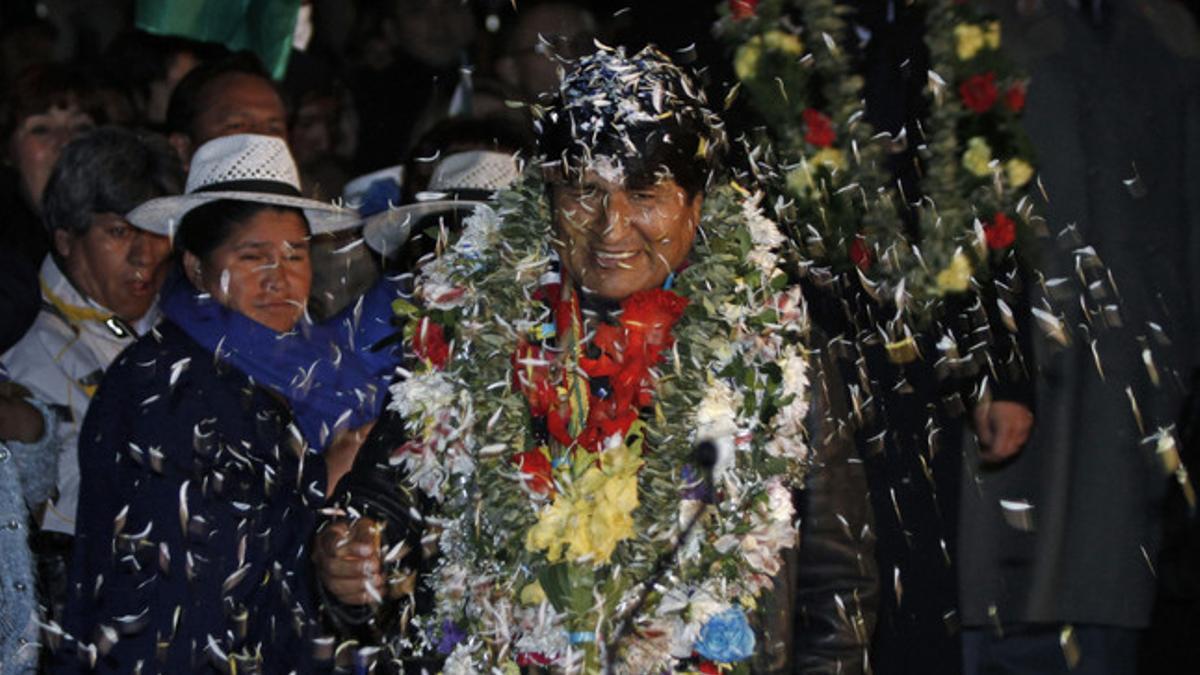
{"points": [[617, 216]]}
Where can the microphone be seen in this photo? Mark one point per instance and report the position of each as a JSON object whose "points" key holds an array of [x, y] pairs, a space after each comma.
{"points": [[704, 456]]}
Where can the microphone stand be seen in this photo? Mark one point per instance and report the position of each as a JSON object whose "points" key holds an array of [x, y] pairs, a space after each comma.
{"points": [[705, 457]]}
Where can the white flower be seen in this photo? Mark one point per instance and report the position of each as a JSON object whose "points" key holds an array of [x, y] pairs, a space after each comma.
{"points": [[421, 395], [795, 374], [480, 232], [772, 531], [717, 421], [460, 662], [764, 233]]}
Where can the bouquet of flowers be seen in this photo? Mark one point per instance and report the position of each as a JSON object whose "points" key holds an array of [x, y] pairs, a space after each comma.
{"points": [[560, 452]]}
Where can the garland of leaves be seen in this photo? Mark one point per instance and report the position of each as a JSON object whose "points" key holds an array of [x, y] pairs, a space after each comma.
{"points": [[737, 373], [846, 212]]}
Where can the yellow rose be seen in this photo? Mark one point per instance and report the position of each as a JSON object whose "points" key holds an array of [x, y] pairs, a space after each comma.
{"points": [[780, 41], [547, 534], [533, 594], [830, 157], [1019, 172], [978, 156], [968, 40], [992, 37], [799, 181], [747, 57], [957, 277]]}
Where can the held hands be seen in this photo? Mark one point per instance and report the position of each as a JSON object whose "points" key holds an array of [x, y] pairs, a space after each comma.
{"points": [[349, 561], [1003, 427]]}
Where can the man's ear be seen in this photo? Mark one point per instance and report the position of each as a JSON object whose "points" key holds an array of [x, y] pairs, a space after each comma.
{"points": [[62, 242], [183, 147], [193, 269]]}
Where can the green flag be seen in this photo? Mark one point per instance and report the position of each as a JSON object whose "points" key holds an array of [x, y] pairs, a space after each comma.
{"points": [[262, 26]]}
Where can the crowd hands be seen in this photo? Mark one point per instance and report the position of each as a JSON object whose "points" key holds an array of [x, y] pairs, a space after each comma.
{"points": [[140, 337]]}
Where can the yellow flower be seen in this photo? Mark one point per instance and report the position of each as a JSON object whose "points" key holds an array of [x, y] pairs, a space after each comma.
{"points": [[992, 36], [590, 517], [780, 41], [978, 156], [800, 181], [1019, 172], [747, 57], [957, 277], [830, 157], [968, 40], [533, 594]]}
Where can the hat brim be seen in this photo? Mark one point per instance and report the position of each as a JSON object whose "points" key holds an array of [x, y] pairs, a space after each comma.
{"points": [[163, 214], [387, 231]]}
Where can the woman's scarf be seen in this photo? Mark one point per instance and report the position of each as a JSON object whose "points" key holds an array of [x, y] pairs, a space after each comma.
{"points": [[328, 373]]}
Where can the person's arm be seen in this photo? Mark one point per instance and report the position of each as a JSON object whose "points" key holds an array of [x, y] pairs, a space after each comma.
{"points": [[1003, 418], [374, 515]]}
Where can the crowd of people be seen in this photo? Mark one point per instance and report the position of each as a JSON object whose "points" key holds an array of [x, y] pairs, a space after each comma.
{"points": [[214, 285]]}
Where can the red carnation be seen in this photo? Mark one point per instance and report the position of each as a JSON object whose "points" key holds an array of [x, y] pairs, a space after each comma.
{"points": [[742, 9], [709, 668], [860, 253], [647, 317], [429, 343], [979, 92], [1001, 232], [1014, 98], [818, 128], [536, 467]]}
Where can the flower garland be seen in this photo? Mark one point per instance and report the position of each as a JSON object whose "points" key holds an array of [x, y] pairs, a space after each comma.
{"points": [[554, 501], [836, 195]]}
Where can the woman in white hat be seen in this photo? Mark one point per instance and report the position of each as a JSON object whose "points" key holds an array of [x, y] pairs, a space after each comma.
{"points": [[212, 441]]}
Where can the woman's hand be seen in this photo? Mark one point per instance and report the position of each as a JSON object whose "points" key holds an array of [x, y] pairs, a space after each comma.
{"points": [[339, 457], [349, 561]]}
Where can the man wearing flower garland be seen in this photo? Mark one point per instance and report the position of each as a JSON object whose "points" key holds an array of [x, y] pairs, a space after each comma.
{"points": [[629, 339]]}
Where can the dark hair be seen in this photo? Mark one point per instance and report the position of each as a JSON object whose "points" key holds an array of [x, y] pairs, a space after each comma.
{"points": [[654, 122], [108, 170], [184, 105], [203, 229], [136, 59], [42, 87]]}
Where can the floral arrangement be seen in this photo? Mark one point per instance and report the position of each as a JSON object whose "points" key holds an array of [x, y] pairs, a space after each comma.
{"points": [[824, 166], [560, 449]]}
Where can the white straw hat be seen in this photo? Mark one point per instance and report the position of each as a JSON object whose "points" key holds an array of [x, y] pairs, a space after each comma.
{"points": [[247, 168], [459, 183]]}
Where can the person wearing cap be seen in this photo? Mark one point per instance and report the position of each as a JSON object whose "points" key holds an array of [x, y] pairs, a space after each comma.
{"points": [[630, 151], [212, 441], [98, 290], [409, 235]]}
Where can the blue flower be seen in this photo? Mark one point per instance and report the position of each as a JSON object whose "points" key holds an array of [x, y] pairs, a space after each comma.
{"points": [[726, 637], [451, 636]]}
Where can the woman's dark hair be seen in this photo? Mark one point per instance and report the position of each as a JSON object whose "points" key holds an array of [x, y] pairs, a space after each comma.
{"points": [[203, 229], [108, 170], [42, 87]]}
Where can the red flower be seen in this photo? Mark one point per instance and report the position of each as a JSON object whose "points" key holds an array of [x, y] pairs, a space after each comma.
{"points": [[1014, 98], [536, 467], [742, 9], [979, 92], [709, 668], [860, 253], [818, 128], [647, 317], [429, 343], [532, 659], [1001, 232]]}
